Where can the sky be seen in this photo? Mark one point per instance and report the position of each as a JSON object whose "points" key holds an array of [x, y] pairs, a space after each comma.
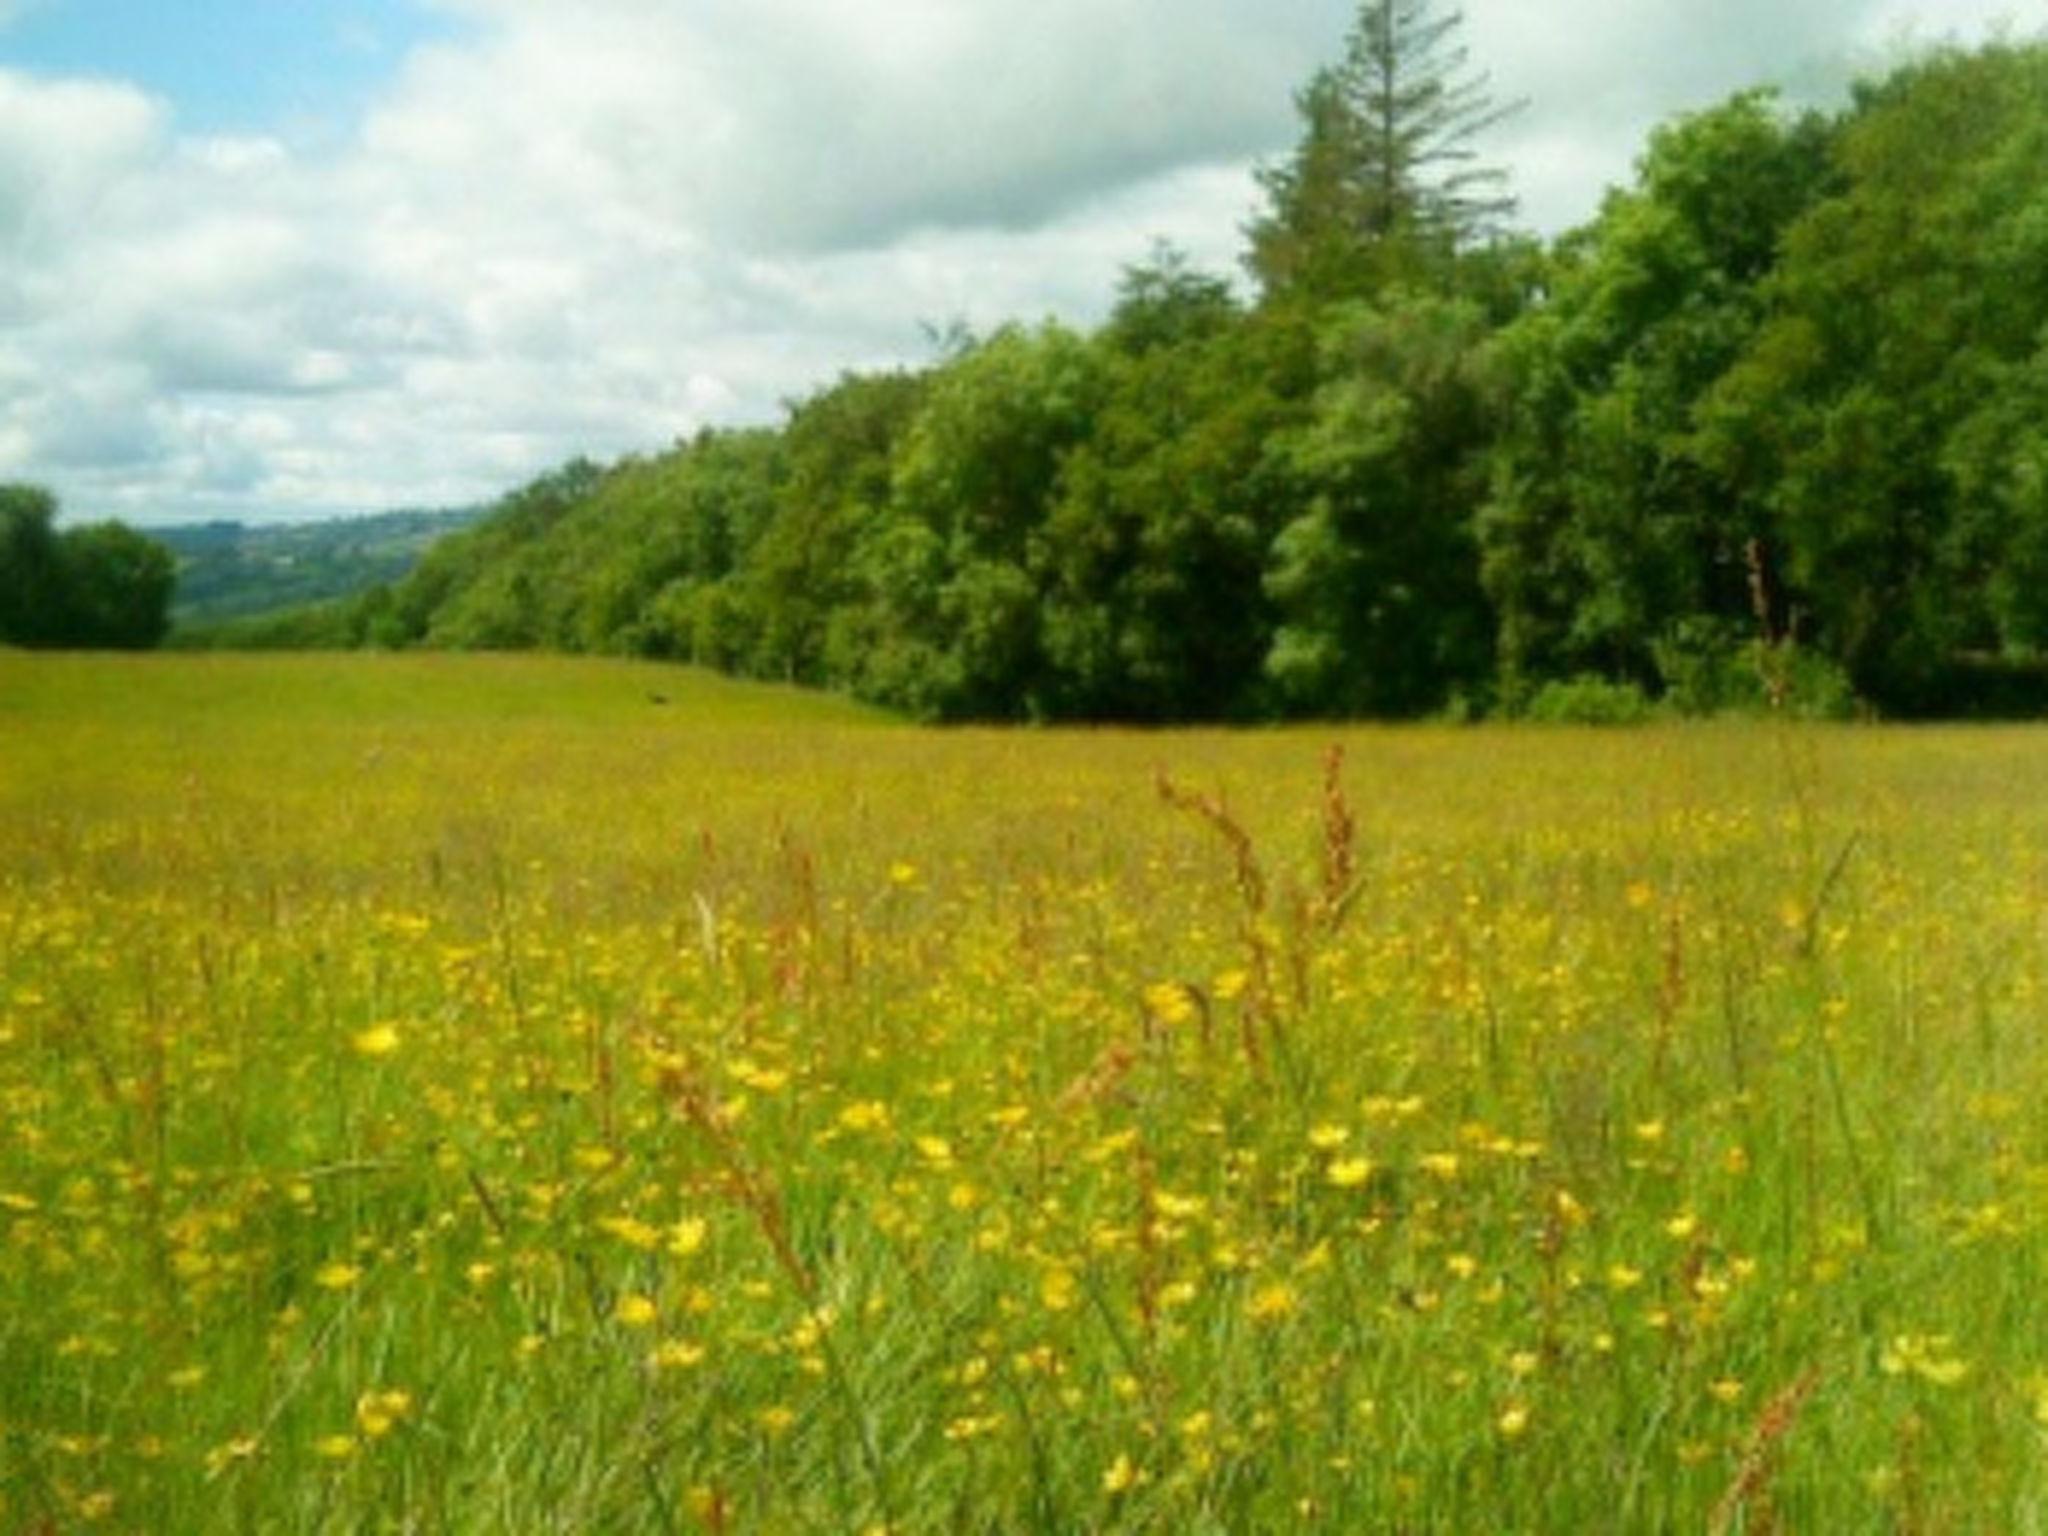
{"points": [[270, 260]]}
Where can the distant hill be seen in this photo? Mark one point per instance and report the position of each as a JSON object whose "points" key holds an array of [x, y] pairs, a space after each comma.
{"points": [[232, 570]]}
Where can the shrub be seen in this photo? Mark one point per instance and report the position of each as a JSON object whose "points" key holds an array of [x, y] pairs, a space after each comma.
{"points": [[1590, 700]]}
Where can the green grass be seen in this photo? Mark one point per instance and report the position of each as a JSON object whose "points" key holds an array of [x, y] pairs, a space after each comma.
{"points": [[464, 1094]]}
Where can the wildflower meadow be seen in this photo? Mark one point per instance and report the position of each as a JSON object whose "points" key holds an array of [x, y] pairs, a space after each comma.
{"points": [[519, 1095]]}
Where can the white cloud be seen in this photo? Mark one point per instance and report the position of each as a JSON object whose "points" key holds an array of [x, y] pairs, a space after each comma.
{"points": [[1600, 74], [63, 147], [823, 124], [595, 227]]}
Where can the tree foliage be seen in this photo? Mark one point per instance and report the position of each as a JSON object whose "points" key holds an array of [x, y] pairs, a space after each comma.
{"points": [[1767, 429], [102, 586], [1376, 577], [1887, 410], [1386, 184], [1152, 551], [1611, 542]]}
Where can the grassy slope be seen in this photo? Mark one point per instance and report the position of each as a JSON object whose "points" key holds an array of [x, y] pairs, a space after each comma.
{"points": [[344, 690], [1626, 1152]]}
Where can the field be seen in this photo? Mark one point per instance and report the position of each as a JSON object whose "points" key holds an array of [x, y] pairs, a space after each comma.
{"points": [[510, 1095]]}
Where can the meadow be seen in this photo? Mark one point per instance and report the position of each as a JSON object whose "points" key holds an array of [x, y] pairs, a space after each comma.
{"points": [[520, 1095]]}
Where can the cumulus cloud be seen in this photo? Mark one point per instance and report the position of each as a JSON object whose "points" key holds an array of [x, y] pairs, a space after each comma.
{"points": [[835, 124], [595, 227]]}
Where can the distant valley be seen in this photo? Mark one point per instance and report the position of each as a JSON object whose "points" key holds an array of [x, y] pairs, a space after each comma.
{"points": [[229, 570]]}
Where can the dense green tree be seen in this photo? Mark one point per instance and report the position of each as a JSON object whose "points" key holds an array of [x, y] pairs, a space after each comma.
{"points": [[31, 580], [1166, 301], [99, 587], [946, 617], [461, 595], [1883, 409], [840, 446], [1376, 578], [116, 586], [1997, 459], [664, 543], [1611, 544], [1151, 557]]}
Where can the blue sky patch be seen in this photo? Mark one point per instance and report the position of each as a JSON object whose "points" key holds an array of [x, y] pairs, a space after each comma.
{"points": [[305, 68]]}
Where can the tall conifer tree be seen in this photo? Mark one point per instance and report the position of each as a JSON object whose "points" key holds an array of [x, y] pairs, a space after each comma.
{"points": [[1386, 183]]}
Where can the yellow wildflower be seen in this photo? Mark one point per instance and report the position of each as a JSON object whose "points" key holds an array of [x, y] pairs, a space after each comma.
{"points": [[631, 1231], [377, 1413], [1057, 1288], [1169, 1002], [377, 1040], [868, 1115], [225, 1455], [1272, 1302], [676, 1355], [1932, 1359]]}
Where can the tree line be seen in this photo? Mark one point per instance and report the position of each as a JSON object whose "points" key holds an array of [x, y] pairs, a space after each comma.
{"points": [[1770, 430]]}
